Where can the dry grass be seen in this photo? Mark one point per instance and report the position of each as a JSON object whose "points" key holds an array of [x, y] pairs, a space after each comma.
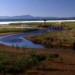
{"points": [[65, 38], [64, 64]]}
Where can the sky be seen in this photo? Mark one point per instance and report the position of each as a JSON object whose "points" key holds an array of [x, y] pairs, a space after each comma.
{"points": [[48, 8]]}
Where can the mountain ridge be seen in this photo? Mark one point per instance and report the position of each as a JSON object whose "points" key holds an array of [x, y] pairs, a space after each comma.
{"points": [[29, 17]]}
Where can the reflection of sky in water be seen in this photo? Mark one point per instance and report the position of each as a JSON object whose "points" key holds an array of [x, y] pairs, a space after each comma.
{"points": [[18, 40], [12, 39], [21, 42]]}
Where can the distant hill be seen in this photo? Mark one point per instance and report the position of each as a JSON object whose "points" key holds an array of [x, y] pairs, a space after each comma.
{"points": [[29, 17]]}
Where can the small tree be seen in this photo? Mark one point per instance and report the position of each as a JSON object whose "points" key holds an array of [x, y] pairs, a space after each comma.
{"points": [[73, 45], [45, 22]]}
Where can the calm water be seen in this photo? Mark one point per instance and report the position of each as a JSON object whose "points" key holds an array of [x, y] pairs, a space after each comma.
{"points": [[20, 41]]}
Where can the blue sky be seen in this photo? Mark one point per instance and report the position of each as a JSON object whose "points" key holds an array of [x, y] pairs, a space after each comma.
{"points": [[53, 8]]}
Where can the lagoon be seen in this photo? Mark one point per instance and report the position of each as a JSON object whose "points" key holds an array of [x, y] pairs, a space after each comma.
{"points": [[21, 41]]}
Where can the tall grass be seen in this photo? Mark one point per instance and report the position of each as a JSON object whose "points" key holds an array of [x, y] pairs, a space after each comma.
{"points": [[16, 63], [5, 30]]}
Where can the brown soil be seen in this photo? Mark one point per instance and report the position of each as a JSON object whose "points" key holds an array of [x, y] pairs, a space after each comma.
{"points": [[63, 65]]}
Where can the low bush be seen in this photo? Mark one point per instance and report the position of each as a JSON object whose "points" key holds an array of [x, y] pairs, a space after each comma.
{"points": [[52, 56]]}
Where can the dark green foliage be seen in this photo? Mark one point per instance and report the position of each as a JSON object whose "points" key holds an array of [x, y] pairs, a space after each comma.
{"points": [[52, 56], [18, 65], [41, 57], [31, 60], [74, 45], [5, 30], [1, 66]]}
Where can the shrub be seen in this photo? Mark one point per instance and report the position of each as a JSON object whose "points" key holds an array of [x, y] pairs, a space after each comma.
{"points": [[41, 57], [52, 56], [74, 45]]}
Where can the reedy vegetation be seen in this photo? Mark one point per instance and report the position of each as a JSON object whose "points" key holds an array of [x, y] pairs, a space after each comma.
{"points": [[57, 39], [16, 63]]}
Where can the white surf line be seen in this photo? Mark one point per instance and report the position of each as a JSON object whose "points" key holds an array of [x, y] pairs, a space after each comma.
{"points": [[60, 21], [37, 21]]}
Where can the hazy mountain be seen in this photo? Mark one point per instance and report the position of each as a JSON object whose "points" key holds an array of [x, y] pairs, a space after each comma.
{"points": [[16, 17], [29, 17]]}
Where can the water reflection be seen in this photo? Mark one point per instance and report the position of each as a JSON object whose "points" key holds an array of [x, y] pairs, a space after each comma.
{"points": [[19, 40], [12, 39]]}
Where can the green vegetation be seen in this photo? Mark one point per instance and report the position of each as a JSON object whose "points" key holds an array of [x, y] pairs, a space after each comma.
{"points": [[57, 39], [16, 63], [38, 24], [16, 24], [13, 29], [64, 39], [66, 25]]}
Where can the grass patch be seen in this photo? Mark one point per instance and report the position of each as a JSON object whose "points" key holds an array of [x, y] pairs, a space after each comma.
{"points": [[5, 30], [56, 39], [15, 63]]}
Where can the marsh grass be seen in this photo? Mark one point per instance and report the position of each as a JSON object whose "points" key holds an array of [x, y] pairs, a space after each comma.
{"points": [[63, 39], [13, 29], [13, 63]]}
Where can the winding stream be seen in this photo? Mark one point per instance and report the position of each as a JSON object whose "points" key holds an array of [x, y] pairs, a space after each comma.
{"points": [[20, 41]]}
